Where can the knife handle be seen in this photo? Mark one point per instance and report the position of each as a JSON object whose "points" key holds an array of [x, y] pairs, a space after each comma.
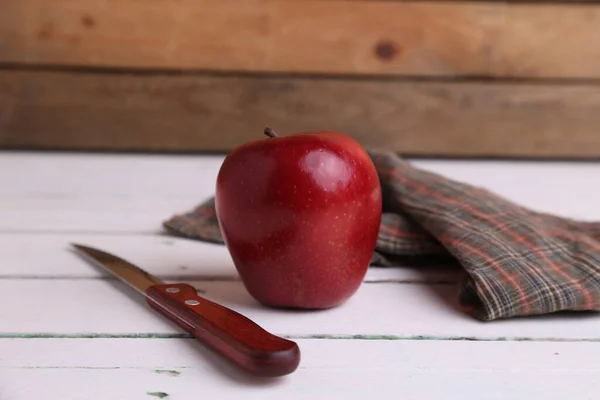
{"points": [[229, 333]]}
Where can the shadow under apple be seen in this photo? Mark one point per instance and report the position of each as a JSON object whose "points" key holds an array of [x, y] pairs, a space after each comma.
{"points": [[233, 293]]}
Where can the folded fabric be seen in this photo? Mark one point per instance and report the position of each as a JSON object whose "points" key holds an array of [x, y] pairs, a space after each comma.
{"points": [[518, 262]]}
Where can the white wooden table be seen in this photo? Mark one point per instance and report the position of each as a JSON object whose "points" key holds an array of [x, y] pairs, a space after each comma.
{"points": [[68, 332]]}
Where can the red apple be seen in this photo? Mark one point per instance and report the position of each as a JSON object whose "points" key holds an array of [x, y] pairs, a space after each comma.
{"points": [[300, 216]]}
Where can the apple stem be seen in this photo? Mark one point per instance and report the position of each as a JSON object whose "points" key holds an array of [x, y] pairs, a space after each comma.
{"points": [[270, 133]]}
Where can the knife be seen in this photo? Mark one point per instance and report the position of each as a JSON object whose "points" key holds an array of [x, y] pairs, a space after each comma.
{"points": [[225, 331]]}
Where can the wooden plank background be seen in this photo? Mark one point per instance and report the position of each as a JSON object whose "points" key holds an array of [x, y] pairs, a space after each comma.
{"points": [[424, 78], [193, 113], [308, 36]]}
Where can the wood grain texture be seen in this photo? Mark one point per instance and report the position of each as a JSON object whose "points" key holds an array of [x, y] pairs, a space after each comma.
{"points": [[372, 37], [218, 113]]}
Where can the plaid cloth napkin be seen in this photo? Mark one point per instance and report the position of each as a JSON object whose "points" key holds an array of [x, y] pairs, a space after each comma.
{"points": [[518, 262]]}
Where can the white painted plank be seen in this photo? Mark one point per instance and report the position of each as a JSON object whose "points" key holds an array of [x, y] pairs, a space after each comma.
{"points": [[135, 193], [39, 174], [50, 256], [330, 369], [42, 174], [90, 213], [314, 384], [403, 310], [100, 192], [53, 192]]}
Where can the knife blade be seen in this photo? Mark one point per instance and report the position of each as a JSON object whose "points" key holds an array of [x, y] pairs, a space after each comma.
{"points": [[234, 336]]}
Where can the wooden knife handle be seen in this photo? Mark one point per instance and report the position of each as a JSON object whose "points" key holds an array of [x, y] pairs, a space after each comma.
{"points": [[229, 333]]}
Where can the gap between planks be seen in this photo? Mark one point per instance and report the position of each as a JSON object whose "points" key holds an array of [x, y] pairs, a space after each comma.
{"points": [[316, 336], [308, 76]]}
